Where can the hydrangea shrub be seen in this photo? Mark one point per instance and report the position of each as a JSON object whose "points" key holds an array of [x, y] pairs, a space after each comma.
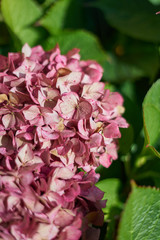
{"points": [[58, 123]]}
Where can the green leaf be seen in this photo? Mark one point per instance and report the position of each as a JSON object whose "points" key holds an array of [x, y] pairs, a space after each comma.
{"points": [[47, 3], [87, 43], [134, 18], [155, 2], [110, 86], [19, 15], [151, 117], [111, 187], [141, 217], [54, 20], [90, 48], [32, 35], [63, 14]]}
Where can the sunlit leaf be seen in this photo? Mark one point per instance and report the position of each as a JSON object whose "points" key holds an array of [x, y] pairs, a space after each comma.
{"points": [[63, 14], [90, 48], [19, 15], [140, 220], [151, 116], [85, 41], [111, 188], [54, 20]]}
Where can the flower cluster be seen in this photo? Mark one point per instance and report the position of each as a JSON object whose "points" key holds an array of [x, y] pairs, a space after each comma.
{"points": [[56, 119]]}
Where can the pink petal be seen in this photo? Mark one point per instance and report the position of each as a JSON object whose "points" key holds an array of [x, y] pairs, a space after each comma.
{"points": [[4, 89], [105, 160], [64, 218], [37, 53], [56, 185], [121, 122], [31, 112], [16, 232], [74, 53], [112, 150], [3, 62], [25, 155], [46, 231], [64, 173], [112, 99], [26, 178], [68, 104], [95, 140], [63, 150], [27, 66], [83, 132], [12, 201], [26, 50], [49, 135], [67, 133], [84, 110], [72, 192], [61, 58], [65, 83], [93, 91], [78, 147], [70, 233], [31, 200], [112, 131], [94, 74], [9, 121], [6, 235], [52, 214]]}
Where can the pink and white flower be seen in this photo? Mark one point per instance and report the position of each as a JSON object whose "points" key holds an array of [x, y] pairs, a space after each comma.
{"points": [[55, 118]]}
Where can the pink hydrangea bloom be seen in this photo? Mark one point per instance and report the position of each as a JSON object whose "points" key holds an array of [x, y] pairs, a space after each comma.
{"points": [[55, 118]]}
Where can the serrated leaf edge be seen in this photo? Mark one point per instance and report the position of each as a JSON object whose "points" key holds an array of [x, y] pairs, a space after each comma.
{"points": [[132, 189]]}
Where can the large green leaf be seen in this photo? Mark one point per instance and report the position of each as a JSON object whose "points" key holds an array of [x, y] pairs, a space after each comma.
{"points": [[32, 35], [87, 43], [54, 20], [19, 15], [141, 217], [47, 3], [135, 18], [156, 2], [111, 188], [63, 14], [90, 48], [151, 117]]}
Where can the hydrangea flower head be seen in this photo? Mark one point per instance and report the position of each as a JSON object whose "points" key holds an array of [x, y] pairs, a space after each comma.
{"points": [[55, 118]]}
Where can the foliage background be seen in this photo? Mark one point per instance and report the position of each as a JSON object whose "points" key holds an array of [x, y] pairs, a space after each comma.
{"points": [[123, 36]]}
